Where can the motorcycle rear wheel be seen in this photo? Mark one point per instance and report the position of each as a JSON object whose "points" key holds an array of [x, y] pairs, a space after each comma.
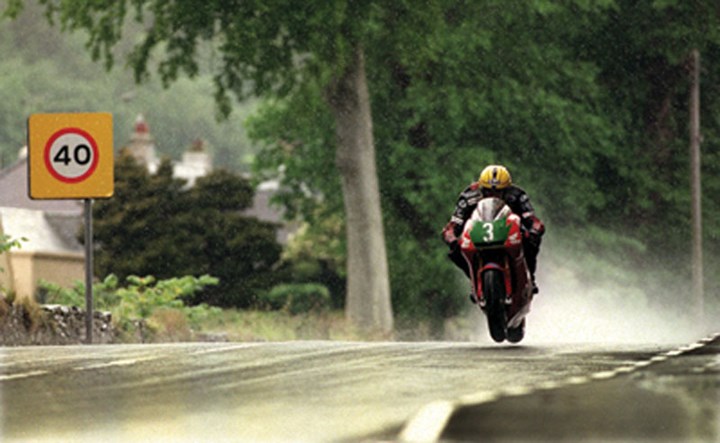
{"points": [[494, 292], [515, 335]]}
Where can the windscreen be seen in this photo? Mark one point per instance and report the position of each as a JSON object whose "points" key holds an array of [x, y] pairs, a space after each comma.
{"points": [[490, 208]]}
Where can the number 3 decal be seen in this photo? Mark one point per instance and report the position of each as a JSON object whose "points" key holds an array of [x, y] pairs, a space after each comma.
{"points": [[489, 232]]}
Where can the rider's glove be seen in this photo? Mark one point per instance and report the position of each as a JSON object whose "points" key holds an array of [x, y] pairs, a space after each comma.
{"points": [[448, 234], [533, 227]]}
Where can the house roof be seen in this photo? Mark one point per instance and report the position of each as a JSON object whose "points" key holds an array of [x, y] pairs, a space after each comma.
{"points": [[264, 210], [14, 193], [43, 233], [61, 219], [49, 225]]}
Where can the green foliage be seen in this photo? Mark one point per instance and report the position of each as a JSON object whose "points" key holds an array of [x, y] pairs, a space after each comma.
{"points": [[7, 243], [44, 70], [585, 102], [138, 299], [143, 296], [155, 225], [303, 148], [298, 298], [262, 48], [105, 295], [257, 47], [315, 252]]}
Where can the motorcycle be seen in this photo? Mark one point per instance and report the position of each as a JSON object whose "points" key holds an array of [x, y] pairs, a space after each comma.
{"points": [[491, 243]]}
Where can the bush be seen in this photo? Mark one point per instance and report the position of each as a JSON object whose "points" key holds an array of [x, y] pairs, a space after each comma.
{"points": [[148, 229], [105, 296], [298, 298], [139, 300], [7, 243]]}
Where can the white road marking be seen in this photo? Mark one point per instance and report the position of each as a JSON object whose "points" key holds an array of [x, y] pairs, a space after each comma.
{"points": [[22, 375], [603, 375], [113, 363], [516, 391], [478, 398], [642, 363], [110, 364], [225, 348], [428, 424], [579, 380], [548, 385]]}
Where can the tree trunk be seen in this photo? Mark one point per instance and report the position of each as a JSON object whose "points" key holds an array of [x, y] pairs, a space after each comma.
{"points": [[368, 285]]}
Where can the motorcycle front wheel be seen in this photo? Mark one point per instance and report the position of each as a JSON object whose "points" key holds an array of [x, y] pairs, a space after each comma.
{"points": [[494, 292]]}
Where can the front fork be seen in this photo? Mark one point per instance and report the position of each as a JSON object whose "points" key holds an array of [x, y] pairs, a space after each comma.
{"points": [[484, 262]]}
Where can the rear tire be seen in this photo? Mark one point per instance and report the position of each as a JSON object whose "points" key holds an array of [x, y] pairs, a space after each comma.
{"points": [[494, 292], [515, 335]]}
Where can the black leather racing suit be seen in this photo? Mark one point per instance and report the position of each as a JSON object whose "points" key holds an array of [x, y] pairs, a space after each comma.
{"points": [[519, 203]]}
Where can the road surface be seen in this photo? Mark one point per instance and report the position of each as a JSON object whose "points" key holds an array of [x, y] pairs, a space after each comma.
{"points": [[334, 391]]}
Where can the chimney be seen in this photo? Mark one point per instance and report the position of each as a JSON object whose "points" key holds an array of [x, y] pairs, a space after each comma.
{"points": [[142, 145], [196, 162]]}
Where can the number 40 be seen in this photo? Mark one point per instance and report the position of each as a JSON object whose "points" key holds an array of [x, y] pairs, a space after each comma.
{"points": [[81, 155]]}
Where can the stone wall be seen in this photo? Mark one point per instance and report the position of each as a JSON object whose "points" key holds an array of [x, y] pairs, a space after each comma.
{"points": [[23, 324]]}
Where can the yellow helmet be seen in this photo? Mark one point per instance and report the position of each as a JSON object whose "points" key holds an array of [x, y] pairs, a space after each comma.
{"points": [[495, 177]]}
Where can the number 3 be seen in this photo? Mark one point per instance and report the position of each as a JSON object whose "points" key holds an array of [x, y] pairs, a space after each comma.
{"points": [[489, 232]]}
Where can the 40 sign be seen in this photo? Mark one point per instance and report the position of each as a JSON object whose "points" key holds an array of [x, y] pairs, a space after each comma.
{"points": [[70, 156]]}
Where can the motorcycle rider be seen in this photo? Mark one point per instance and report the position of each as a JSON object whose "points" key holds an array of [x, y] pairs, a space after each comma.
{"points": [[495, 181]]}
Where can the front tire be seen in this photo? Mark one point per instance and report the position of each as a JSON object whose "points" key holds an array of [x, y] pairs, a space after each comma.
{"points": [[494, 292]]}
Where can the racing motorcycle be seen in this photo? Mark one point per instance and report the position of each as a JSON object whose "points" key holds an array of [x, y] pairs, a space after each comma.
{"points": [[491, 243]]}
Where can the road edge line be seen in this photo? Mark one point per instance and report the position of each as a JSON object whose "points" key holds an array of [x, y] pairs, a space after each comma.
{"points": [[429, 422]]}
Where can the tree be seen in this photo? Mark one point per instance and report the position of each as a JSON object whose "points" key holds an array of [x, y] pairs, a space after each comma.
{"points": [[270, 47], [242, 251], [44, 70], [585, 101], [155, 225], [569, 95], [485, 82]]}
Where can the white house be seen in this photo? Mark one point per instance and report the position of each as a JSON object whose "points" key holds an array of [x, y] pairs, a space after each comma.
{"points": [[51, 250], [196, 161]]}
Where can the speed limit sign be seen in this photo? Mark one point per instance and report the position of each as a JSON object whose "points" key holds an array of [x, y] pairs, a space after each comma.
{"points": [[70, 156]]}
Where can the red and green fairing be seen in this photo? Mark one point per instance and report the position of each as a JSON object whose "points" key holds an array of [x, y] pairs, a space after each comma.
{"points": [[501, 233]]}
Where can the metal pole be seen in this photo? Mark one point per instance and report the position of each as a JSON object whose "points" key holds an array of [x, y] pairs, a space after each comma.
{"points": [[88, 272], [695, 186]]}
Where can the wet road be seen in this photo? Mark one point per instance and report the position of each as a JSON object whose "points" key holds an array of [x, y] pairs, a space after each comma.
{"points": [[674, 399], [295, 391]]}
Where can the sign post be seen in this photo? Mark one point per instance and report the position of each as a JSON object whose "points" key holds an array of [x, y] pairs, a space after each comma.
{"points": [[89, 309], [70, 156]]}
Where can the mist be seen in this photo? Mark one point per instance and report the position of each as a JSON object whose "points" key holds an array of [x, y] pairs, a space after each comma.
{"points": [[616, 310], [613, 309]]}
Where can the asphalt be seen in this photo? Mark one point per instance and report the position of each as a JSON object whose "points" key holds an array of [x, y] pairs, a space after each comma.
{"points": [[353, 391], [675, 400]]}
